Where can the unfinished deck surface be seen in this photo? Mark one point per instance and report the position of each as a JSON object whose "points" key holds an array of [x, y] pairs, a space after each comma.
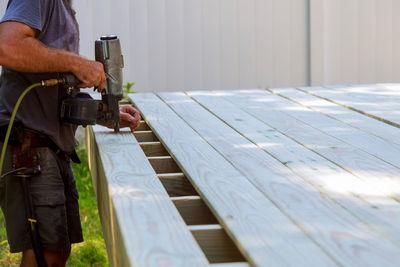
{"points": [[279, 177]]}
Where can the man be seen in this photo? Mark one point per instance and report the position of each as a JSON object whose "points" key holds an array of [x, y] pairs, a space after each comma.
{"points": [[38, 39]]}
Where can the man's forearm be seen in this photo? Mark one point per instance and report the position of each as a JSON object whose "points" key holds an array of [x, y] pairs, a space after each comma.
{"points": [[30, 55], [21, 51]]}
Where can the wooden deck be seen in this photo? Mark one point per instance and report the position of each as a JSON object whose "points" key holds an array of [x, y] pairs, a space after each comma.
{"points": [[277, 177]]}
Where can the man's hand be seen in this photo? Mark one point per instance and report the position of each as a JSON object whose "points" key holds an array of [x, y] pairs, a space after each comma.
{"points": [[91, 73], [129, 117]]}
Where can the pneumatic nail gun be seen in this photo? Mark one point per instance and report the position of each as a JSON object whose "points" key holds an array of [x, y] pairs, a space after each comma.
{"points": [[79, 108]]}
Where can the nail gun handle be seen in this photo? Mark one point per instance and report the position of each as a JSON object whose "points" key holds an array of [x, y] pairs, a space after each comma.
{"points": [[69, 79]]}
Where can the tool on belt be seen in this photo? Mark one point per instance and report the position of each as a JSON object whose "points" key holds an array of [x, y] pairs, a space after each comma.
{"points": [[77, 108], [25, 167]]}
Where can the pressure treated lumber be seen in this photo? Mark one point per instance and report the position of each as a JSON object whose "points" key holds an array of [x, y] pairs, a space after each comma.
{"points": [[264, 235], [217, 245], [278, 183], [153, 149], [193, 210], [376, 146], [372, 109], [163, 164], [143, 126], [379, 174], [340, 113], [146, 228], [342, 187], [233, 264], [145, 136], [177, 184]]}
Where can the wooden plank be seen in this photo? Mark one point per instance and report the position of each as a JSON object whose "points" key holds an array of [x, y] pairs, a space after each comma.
{"points": [[164, 164], [152, 149], [345, 115], [145, 136], [383, 176], [263, 234], [266, 173], [231, 264], [376, 146], [177, 184], [147, 228], [334, 182], [193, 210], [379, 174], [143, 126], [370, 108], [217, 245]]}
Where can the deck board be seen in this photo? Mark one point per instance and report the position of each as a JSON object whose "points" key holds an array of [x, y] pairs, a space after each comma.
{"points": [[275, 177], [379, 174], [253, 222], [370, 106], [340, 113], [344, 188], [137, 199], [287, 191], [376, 146]]}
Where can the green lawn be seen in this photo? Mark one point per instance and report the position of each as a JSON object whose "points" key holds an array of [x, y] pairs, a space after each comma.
{"points": [[92, 252]]}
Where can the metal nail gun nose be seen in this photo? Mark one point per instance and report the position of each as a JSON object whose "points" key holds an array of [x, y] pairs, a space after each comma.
{"points": [[79, 108]]}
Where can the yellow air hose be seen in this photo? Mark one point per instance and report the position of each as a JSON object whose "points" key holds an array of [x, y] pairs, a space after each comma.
{"points": [[51, 82]]}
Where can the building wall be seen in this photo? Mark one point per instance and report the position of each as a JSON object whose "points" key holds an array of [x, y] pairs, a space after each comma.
{"points": [[203, 44], [229, 44], [355, 41]]}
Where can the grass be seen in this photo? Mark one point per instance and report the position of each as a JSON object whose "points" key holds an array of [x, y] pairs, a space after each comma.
{"points": [[92, 252]]}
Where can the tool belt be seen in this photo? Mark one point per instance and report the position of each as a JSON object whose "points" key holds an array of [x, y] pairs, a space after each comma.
{"points": [[20, 136]]}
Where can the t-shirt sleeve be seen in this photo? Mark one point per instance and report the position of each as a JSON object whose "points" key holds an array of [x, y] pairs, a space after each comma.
{"points": [[25, 11]]}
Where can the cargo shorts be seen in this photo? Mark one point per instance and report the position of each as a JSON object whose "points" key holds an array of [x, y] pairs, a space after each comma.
{"points": [[55, 200]]}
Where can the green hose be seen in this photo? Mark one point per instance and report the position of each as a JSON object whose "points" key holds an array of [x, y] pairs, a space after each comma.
{"points": [[3, 151]]}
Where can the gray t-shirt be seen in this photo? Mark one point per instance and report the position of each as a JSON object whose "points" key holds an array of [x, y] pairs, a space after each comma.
{"points": [[57, 26]]}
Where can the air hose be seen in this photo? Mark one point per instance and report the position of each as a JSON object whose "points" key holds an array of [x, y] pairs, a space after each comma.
{"points": [[44, 83]]}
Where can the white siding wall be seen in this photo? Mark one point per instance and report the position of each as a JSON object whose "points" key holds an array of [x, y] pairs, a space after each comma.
{"points": [[203, 44], [355, 41], [229, 44]]}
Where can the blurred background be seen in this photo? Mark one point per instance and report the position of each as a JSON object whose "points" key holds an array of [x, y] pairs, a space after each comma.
{"points": [[230, 44]]}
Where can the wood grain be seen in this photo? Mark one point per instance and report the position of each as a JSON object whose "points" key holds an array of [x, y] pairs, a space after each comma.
{"points": [[177, 184], [350, 117], [379, 174], [354, 195], [263, 234], [217, 245], [146, 228], [194, 211], [288, 191], [372, 109], [370, 143]]}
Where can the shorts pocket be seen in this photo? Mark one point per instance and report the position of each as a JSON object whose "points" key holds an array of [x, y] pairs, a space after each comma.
{"points": [[54, 198]]}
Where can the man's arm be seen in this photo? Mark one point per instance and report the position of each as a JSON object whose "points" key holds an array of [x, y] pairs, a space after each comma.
{"points": [[21, 51]]}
